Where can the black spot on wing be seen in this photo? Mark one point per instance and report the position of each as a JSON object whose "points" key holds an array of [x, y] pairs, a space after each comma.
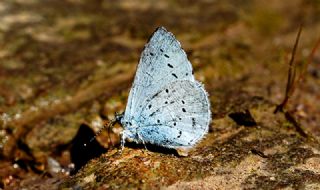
{"points": [[193, 122], [155, 95], [169, 65], [152, 114], [167, 56], [173, 74]]}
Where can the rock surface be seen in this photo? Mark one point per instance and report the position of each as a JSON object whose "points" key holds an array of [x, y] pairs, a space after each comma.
{"points": [[67, 66]]}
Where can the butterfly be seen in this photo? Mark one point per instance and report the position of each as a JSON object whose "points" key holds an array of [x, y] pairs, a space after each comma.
{"points": [[166, 106]]}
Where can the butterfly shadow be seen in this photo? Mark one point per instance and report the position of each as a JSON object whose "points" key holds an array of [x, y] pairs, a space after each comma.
{"points": [[152, 148], [81, 153]]}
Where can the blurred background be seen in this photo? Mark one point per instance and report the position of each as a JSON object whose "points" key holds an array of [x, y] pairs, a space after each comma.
{"points": [[66, 66]]}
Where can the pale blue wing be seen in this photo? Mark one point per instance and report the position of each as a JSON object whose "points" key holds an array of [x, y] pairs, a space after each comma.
{"points": [[178, 115], [162, 62]]}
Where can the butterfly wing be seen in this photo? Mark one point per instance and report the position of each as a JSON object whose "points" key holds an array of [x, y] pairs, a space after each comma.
{"points": [[178, 115], [162, 61]]}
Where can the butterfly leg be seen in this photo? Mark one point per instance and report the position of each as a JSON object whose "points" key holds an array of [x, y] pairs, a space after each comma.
{"points": [[123, 139], [140, 137]]}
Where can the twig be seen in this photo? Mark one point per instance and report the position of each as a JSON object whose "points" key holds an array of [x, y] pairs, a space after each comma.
{"points": [[292, 82], [291, 75], [298, 127], [310, 58]]}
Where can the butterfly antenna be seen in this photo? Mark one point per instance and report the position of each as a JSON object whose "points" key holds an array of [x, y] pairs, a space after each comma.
{"points": [[105, 127]]}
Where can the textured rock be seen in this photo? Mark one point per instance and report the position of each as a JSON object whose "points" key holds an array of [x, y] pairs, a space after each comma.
{"points": [[268, 156], [67, 66]]}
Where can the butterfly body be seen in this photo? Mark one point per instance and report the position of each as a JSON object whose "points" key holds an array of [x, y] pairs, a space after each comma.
{"points": [[166, 105]]}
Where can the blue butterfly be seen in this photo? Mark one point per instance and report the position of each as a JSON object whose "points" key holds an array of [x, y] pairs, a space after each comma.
{"points": [[166, 105]]}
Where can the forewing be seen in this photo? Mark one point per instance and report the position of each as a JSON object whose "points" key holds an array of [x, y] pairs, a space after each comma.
{"points": [[162, 62], [176, 116]]}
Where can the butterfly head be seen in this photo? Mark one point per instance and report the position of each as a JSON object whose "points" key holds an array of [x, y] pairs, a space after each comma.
{"points": [[118, 117], [130, 130]]}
